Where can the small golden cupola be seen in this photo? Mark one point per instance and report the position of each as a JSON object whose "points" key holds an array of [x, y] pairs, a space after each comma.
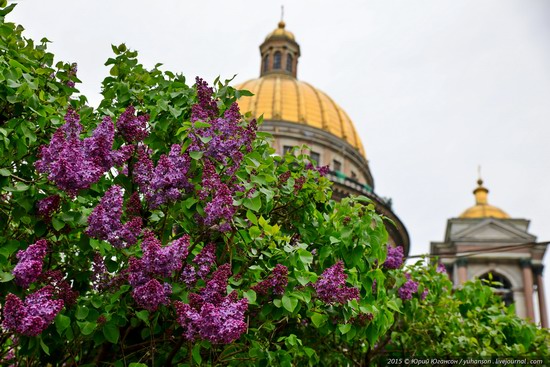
{"points": [[280, 53], [483, 209]]}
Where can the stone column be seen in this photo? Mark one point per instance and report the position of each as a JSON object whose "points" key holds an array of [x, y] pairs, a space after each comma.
{"points": [[528, 288], [462, 272], [542, 300]]}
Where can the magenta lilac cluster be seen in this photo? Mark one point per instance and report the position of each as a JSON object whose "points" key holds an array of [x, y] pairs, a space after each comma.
{"points": [[47, 206], [61, 287], [157, 261], [29, 267], [394, 258], [212, 314], [104, 223], [226, 135], [223, 142], [74, 164], [164, 183], [220, 208], [441, 269], [276, 281], [99, 272], [32, 316], [407, 290], [132, 128], [330, 286]]}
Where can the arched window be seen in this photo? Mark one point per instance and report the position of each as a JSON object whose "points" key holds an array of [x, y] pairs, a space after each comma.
{"points": [[501, 286], [289, 63], [266, 62], [277, 60]]}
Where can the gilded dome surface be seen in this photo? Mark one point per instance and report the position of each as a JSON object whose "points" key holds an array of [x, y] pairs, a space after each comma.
{"points": [[284, 98], [483, 209]]}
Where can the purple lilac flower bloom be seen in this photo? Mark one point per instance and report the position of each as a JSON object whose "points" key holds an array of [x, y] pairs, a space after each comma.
{"points": [[207, 107], [162, 184], [330, 286], [441, 268], [220, 208], [394, 259], [29, 267], [104, 222], [212, 315], [215, 289], [132, 128], [226, 137], [61, 288], [152, 294], [205, 259], [189, 275], [47, 206], [74, 164], [99, 146], [33, 316], [156, 261], [283, 178], [225, 323], [99, 272], [160, 260], [406, 291], [424, 294], [276, 281]]}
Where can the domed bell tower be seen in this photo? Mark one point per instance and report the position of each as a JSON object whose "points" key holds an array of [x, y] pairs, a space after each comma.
{"points": [[485, 242]]}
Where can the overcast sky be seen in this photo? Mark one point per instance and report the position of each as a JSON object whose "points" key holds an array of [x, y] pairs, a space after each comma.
{"points": [[435, 87]]}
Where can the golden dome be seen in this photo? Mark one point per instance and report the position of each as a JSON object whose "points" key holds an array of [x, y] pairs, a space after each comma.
{"points": [[482, 209], [284, 98], [280, 31]]}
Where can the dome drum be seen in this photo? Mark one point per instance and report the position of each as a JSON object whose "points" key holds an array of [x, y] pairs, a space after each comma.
{"points": [[329, 148]]}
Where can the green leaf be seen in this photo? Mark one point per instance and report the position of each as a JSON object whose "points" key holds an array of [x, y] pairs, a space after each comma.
{"points": [[111, 332], [196, 155], [344, 328], [197, 354], [200, 124], [305, 256], [4, 172], [253, 204], [136, 364], [62, 322], [5, 277], [44, 347], [57, 224], [392, 305], [250, 295], [143, 316], [318, 319], [86, 328], [81, 312], [251, 217], [20, 186], [289, 303]]}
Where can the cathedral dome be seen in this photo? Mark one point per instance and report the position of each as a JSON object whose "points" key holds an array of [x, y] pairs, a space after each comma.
{"points": [[280, 96], [284, 98], [482, 209]]}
